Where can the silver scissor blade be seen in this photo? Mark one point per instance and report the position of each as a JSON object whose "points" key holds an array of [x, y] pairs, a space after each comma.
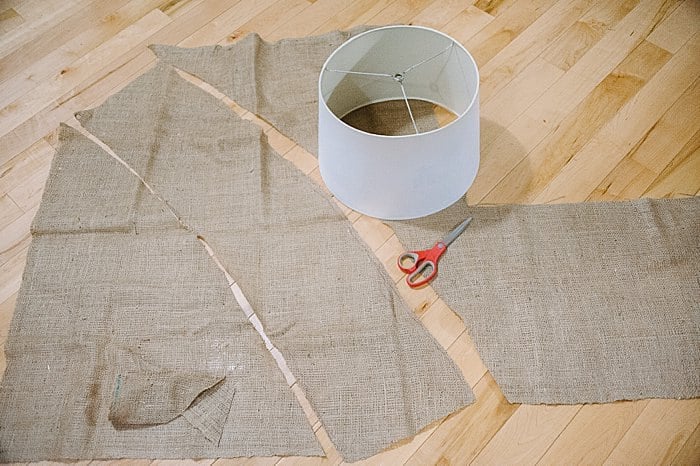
{"points": [[456, 231]]}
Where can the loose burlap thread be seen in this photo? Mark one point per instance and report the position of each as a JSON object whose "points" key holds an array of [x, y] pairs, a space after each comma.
{"points": [[566, 304]]}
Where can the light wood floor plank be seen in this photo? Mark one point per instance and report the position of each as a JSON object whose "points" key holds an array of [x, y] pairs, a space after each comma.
{"points": [[438, 14], [9, 20], [532, 174], [573, 43], [269, 20], [43, 44], [493, 7], [522, 50], [15, 236], [57, 61], [6, 310], [505, 28], [512, 144], [19, 169], [690, 452], [66, 79], [679, 179], [593, 433], [622, 133], [668, 141], [359, 12], [678, 27], [527, 434], [400, 11], [40, 16], [11, 274], [443, 324], [466, 24], [9, 210], [225, 23], [659, 433]]}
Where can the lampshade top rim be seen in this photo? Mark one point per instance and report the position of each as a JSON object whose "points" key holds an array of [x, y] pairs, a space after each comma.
{"points": [[461, 115]]}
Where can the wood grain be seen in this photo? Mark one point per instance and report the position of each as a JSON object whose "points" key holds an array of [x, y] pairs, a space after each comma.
{"points": [[581, 100]]}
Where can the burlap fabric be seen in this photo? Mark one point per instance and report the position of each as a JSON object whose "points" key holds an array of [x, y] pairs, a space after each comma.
{"points": [[566, 304], [259, 75], [126, 341], [391, 118], [368, 367], [576, 303]]}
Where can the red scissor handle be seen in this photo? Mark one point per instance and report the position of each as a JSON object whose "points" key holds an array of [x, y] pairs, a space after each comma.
{"points": [[421, 266]]}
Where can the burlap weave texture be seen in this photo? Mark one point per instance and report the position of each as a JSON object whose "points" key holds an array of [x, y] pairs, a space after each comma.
{"points": [[258, 75]]}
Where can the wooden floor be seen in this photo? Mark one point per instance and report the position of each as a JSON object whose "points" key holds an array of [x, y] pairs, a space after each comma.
{"points": [[581, 100]]}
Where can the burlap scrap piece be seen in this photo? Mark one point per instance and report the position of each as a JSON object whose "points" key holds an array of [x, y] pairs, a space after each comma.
{"points": [[115, 296], [576, 303], [369, 368]]}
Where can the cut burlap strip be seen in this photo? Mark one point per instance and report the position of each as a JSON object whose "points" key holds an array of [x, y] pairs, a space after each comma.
{"points": [[566, 304], [576, 303]]}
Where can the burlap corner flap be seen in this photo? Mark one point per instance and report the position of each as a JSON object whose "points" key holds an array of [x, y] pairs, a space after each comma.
{"points": [[150, 397], [369, 368], [90, 299], [144, 398], [153, 386], [259, 75], [209, 412], [576, 303]]}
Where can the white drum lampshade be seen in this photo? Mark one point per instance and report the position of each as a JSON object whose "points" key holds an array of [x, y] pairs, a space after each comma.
{"points": [[407, 176]]}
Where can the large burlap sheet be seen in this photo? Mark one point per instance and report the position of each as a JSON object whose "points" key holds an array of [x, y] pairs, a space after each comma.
{"points": [[147, 354]]}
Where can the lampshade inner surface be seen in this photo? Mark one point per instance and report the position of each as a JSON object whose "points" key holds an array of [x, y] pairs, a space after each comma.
{"points": [[399, 63]]}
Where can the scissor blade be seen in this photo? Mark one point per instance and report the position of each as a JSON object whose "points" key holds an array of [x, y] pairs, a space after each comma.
{"points": [[456, 231]]}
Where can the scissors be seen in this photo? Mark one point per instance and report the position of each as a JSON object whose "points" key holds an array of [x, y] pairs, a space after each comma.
{"points": [[421, 266]]}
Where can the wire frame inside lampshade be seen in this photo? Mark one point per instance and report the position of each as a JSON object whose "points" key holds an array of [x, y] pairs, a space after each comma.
{"points": [[407, 176]]}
